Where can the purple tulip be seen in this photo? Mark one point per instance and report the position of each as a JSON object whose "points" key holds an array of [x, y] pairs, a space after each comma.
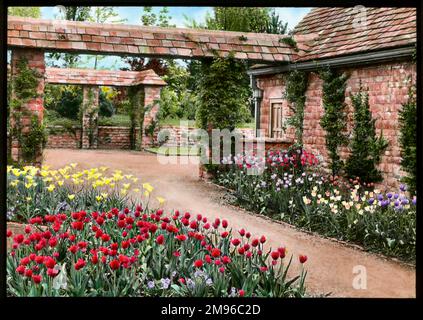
{"points": [[389, 195], [371, 200], [380, 197], [396, 203], [396, 195], [403, 187], [414, 201]]}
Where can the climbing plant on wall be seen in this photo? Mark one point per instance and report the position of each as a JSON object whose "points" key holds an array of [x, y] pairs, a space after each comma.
{"points": [[89, 116], [366, 147], [137, 111], [408, 140], [296, 86], [222, 102], [334, 120], [23, 88]]}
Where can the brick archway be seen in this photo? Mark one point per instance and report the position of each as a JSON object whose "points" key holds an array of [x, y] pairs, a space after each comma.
{"points": [[31, 38], [146, 81]]}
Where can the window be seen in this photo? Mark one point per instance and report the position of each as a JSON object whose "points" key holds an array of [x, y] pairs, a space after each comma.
{"points": [[275, 120]]}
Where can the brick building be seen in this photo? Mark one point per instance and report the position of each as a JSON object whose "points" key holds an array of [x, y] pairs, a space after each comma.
{"points": [[374, 47]]}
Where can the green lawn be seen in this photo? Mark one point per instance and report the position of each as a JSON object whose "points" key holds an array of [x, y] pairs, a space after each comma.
{"points": [[122, 120], [117, 120], [174, 151]]}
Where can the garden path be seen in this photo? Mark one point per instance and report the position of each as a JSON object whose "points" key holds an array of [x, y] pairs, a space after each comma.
{"points": [[330, 264]]}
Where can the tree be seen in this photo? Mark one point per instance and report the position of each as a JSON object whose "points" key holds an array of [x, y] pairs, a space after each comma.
{"points": [[408, 140], [275, 25], [239, 19], [333, 120], [222, 101], [366, 148], [30, 12]]}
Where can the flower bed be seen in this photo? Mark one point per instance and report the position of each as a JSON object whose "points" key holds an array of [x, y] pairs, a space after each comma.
{"points": [[292, 188], [73, 244], [141, 253], [33, 191]]}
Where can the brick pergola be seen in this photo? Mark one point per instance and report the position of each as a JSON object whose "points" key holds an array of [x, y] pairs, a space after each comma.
{"points": [[91, 80], [30, 38]]}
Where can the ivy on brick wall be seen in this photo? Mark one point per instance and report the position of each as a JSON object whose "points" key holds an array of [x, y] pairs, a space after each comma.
{"points": [[23, 88], [91, 113], [137, 110], [295, 89], [366, 147], [334, 119], [408, 140]]}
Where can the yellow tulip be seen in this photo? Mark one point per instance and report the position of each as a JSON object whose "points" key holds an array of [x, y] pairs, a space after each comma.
{"points": [[161, 200], [73, 165], [98, 198], [71, 196], [126, 185], [148, 187], [51, 187]]}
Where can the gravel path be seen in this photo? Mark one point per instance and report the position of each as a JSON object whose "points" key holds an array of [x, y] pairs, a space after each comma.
{"points": [[330, 264]]}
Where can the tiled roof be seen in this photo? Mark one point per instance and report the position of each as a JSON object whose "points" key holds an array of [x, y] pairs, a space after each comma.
{"points": [[329, 32], [102, 77], [94, 38]]}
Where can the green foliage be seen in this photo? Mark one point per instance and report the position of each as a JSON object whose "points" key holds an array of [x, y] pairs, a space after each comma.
{"points": [[408, 140], [296, 86], [106, 107], [334, 120], [290, 42], [239, 19], [274, 25], [34, 141], [223, 103], [31, 12], [70, 102], [149, 18], [366, 147]]}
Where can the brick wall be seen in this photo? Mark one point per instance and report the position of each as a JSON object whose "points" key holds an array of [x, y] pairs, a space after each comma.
{"points": [[118, 137], [387, 86], [34, 106], [273, 87]]}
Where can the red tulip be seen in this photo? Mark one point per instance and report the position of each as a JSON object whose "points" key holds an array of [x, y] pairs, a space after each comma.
{"points": [[302, 258], [20, 269], [36, 278], [236, 242], [275, 255], [215, 252], [198, 263], [160, 239], [114, 264]]}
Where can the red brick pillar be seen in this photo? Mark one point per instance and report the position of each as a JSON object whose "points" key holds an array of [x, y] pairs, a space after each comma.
{"points": [[151, 95], [90, 107], [34, 106]]}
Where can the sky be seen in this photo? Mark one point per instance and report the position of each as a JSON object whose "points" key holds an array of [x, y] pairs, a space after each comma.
{"points": [[133, 15]]}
